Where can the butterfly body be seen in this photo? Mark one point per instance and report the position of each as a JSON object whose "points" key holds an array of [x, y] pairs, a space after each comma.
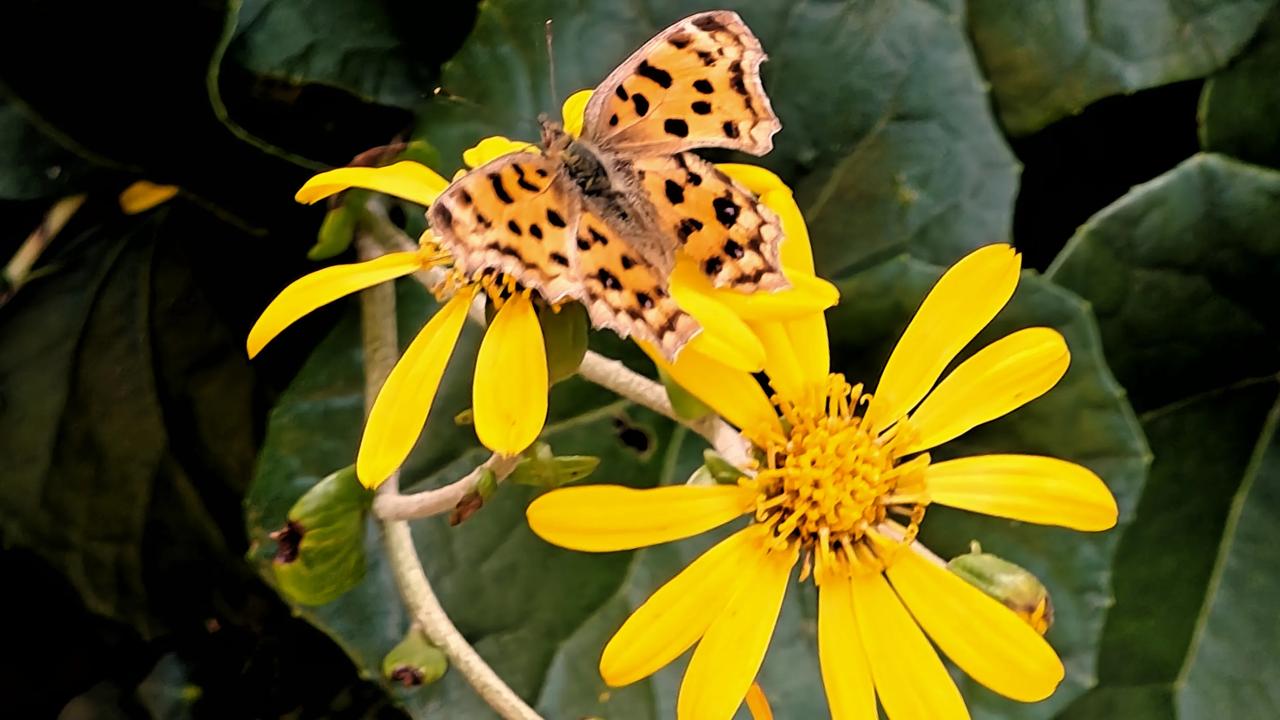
{"points": [[599, 218]]}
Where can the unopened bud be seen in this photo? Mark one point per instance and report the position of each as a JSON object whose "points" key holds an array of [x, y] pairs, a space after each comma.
{"points": [[1014, 586], [320, 550], [336, 233], [415, 661], [540, 468], [723, 471]]}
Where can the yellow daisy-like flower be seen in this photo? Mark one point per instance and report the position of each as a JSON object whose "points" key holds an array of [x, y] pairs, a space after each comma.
{"points": [[840, 486], [509, 391]]}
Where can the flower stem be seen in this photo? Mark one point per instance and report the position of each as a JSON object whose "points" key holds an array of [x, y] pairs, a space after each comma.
{"points": [[378, 322], [443, 499]]}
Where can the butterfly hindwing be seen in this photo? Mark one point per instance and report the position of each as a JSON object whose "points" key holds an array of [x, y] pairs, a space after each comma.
{"points": [[623, 291], [515, 214], [733, 237], [695, 84]]}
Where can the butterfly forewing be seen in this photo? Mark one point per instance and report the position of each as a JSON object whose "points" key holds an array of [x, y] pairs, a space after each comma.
{"points": [[515, 214], [731, 235], [695, 84]]}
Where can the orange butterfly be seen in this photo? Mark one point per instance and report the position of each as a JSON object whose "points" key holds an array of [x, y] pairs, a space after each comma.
{"points": [[599, 218]]}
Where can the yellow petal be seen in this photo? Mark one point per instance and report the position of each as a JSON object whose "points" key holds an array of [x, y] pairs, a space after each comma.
{"points": [[809, 335], [407, 180], [997, 380], [729, 654], [782, 361], [986, 639], [753, 177], [910, 679], [603, 518], [724, 335], [845, 673], [965, 299], [142, 196], [678, 613], [758, 704], [323, 287], [1030, 488], [492, 148], [509, 393], [403, 403], [733, 394], [572, 111]]}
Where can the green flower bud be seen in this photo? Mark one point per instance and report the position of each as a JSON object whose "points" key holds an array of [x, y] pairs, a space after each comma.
{"points": [[1014, 586], [320, 550], [722, 471], [415, 661], [540, 468], [565, 334], [336, 232]]}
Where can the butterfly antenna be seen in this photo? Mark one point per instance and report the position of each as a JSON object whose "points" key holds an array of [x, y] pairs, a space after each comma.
{"points": [[551, 63]]}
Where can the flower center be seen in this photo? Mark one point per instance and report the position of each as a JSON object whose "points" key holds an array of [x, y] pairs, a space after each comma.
{"points": [[827, 486]]}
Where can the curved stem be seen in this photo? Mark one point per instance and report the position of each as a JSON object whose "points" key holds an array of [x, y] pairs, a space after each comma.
{"points": [[442, 499], [378, 321]]}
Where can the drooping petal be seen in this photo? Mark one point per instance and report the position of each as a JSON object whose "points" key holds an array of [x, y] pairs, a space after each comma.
{"points": [[572, 111], [403, 403], [845, 673], [963, 301], [910, 679], [986, 639], [809, 336], [494, 147], [1031, 488], [323, 287], [604, 518], [733, 394], [729, 655], [758, 704], [724, 335], [678, 613], [144, 195], [509, 392], [782, 361], [407, 180], [997, 380]]}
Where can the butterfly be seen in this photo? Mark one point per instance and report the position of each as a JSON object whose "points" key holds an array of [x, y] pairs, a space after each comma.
{"points": [[599, 218]]}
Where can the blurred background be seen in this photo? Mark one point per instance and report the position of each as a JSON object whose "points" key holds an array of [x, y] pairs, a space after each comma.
{"points": [[131, 422]]}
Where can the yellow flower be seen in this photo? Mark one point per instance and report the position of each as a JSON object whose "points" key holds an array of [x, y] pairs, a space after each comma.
{"points": [[835, 468], [509, 399], [144, 195]]}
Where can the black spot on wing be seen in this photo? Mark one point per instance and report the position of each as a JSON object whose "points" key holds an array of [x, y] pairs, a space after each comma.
{"points": [[737, 80], [613, 120], [707, 58], [679, 41], [465, 197], [703, 86], [584, 244], [645, 301], [730, 129], [676, 127], [687, 227], [733, 250], [559, 259], [709, 24], [694, 178], [554, 218], [657, 75], [641, 102], [495, 179], [514, 227], [607, 279], [444, 215], [628, 262], [701, 107], [535, 231], [726, 210], [597, 237], [675, 193], [525, 184], [713, 266], [621, 92]]}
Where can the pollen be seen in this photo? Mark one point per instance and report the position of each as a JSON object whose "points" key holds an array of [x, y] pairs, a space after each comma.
{"points": [[828, 485]]}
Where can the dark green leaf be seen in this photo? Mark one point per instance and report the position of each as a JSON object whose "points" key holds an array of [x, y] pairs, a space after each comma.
{"points": [[34, 166], [899, 152], [1181, 273], [1050, 59], [1239, 105]]}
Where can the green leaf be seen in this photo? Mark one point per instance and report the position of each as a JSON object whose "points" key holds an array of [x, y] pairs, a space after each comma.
{"points": [[375, 51], [1050, 59], [127, 410], [900, 153], [1239, 105], [1181, 272], [34, 165], [544, 631]]}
